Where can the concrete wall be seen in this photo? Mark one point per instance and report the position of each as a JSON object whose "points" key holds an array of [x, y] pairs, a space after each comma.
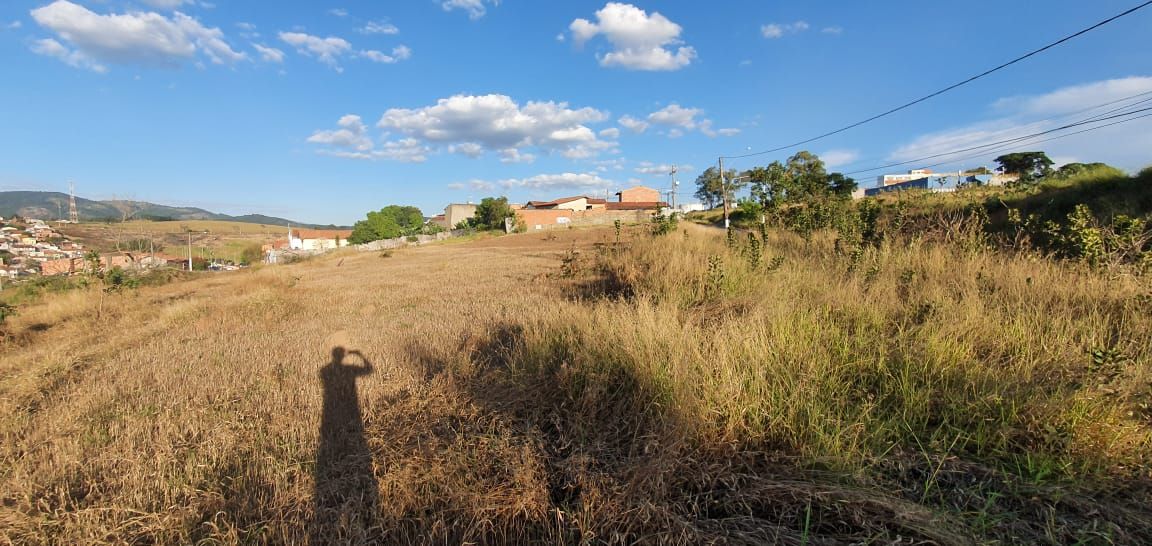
{"points": [[400, 242], [538, 220]]}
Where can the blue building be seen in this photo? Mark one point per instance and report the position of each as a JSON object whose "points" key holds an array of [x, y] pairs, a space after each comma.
{"points": [[935, 183]]}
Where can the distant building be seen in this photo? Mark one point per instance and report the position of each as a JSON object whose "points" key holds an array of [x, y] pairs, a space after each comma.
{"points": [[892, 179], [685, 208], [568, 203], [935, 183], [458, 212], [318, 239], [638, 194]]}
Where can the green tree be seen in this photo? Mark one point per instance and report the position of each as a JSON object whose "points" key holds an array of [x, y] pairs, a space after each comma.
{"points": [[1073, 169], [710, 189], [807, 172], [491, 212], [1029, 165], [771, 185], [387, 223], [841, 185]]}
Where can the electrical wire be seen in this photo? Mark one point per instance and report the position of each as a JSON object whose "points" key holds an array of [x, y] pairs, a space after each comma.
{"points": [[1012, 143], [950, 87], [1053, 118]]}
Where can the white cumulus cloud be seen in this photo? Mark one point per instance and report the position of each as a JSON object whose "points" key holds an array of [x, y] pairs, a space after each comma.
{"points": [[143, 38], [639, 41], [632, 124], [497, 123], [399, 53], [470, 149], [513, 155], [326, 50], [352, 135], [269, 54], [51, 48], [680, 120], [675, 115]]}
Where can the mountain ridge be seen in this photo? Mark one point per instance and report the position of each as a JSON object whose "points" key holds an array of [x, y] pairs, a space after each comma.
{"points": [[47, 205]]}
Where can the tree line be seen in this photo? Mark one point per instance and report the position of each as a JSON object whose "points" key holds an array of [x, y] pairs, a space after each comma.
{"points": [[395, 221], [802, 178]]}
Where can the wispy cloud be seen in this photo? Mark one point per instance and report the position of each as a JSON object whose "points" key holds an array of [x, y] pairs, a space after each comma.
{"points": [[779, 30], [1125, 146]]}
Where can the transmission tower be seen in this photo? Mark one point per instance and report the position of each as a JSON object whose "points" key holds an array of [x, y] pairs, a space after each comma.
{"points": [[73, 214]]}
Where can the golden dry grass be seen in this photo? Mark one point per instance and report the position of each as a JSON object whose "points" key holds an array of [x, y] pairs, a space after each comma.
{"points": [[181, 226], [210, 238], [805, 404]]}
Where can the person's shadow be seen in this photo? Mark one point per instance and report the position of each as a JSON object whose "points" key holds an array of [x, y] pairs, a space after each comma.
{"points": [[347, 497]]}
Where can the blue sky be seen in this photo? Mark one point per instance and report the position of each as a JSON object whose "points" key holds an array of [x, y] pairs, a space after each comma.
{"points": [[320, 111]]}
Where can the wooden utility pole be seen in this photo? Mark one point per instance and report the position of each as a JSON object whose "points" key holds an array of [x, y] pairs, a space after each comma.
{"points": [[723, 190]]}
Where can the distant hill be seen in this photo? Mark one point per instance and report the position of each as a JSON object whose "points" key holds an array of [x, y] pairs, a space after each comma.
{"points": [[51, 205]]}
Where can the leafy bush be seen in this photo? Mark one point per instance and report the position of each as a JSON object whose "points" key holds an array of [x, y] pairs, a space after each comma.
{"points": [[661, 224], [491, 213], [387, 223]]}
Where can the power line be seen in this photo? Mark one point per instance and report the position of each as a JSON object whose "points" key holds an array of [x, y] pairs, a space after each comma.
{"points": [[1017, 145], [951, 87], [1018, 128], [1016, 141]]}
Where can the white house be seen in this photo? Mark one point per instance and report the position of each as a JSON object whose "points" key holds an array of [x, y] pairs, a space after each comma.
{"points": [[318, 239]]}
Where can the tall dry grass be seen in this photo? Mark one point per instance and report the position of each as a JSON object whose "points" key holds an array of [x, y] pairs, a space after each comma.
{"points": [[974, 382], [635, 395]]}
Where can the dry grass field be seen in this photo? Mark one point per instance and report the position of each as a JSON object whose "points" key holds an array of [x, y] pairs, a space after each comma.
{"points": [[210, 239], [564, 388]]}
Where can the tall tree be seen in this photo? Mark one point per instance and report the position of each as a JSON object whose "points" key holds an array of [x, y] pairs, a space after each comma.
{"points": [[491, 212], [841, 185], [711, 190], [1029, 165], [771, 185], [807, 172], [387, 223]]}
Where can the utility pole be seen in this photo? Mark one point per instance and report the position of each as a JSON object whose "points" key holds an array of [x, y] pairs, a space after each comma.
{"points": [[724, 190], [189, 251]]}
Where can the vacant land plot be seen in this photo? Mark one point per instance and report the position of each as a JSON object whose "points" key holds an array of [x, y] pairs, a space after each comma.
{"points": [[566, 388], [210, 239]]}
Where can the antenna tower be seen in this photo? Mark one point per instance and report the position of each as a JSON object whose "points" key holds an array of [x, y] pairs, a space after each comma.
{"points": [[73, 214]]}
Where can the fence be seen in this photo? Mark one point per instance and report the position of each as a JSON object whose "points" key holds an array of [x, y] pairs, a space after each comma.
{"points": [[414, 240]]}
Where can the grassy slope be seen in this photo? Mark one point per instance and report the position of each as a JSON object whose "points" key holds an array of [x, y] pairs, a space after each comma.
{"points": [[928, 394], [224, 239]]}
